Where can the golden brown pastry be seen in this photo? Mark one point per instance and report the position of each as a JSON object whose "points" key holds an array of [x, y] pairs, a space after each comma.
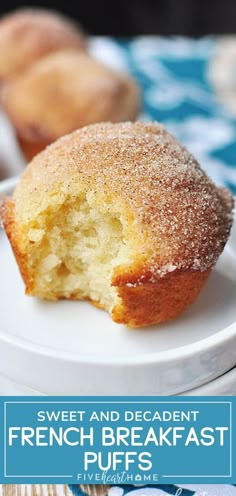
{"points": [[63, 92], [26, 35], [122, 215]]}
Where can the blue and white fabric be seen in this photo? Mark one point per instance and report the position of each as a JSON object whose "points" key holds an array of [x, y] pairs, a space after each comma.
{"points": [[165, 490], [174, 77]]}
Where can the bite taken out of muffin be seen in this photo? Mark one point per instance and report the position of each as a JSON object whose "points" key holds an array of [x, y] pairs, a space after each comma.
{"points": [[121, 215]]}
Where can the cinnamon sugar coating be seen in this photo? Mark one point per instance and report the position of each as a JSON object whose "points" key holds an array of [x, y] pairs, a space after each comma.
{"points": [[178, 220], [186, 219]]}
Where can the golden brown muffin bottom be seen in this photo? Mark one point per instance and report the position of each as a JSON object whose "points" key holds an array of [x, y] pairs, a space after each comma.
{"points": [[153, 303], [157, 302]]}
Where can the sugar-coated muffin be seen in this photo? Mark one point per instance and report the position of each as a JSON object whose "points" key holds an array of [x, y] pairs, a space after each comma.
{"points": [[28, 34], [122, 215], [63, 92]]}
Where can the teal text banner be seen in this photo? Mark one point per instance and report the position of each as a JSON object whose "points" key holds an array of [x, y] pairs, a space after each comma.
{"points": [[117, 440]]}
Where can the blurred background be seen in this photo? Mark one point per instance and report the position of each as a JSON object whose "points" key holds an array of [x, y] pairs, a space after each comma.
{"points": [[185, 74], [135, 17]]}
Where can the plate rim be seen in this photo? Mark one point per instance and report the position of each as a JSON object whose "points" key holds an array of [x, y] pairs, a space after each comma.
{"points": [[186, 351], [192, 349]]}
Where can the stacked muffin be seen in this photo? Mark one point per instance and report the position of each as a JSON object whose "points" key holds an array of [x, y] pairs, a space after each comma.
{"points": [[49, 83]]}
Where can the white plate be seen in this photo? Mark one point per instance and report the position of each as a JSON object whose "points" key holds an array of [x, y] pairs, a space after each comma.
{"points": [[74, 348], [224, 385]]}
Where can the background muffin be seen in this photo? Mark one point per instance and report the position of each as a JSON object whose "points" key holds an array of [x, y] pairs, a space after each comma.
{"points": [[27, 35], [63, 92], [222, 70]]}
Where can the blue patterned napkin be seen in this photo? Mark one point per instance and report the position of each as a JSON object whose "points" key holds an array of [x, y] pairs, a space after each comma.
{"points": [[183, 87], [158, 490]]}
